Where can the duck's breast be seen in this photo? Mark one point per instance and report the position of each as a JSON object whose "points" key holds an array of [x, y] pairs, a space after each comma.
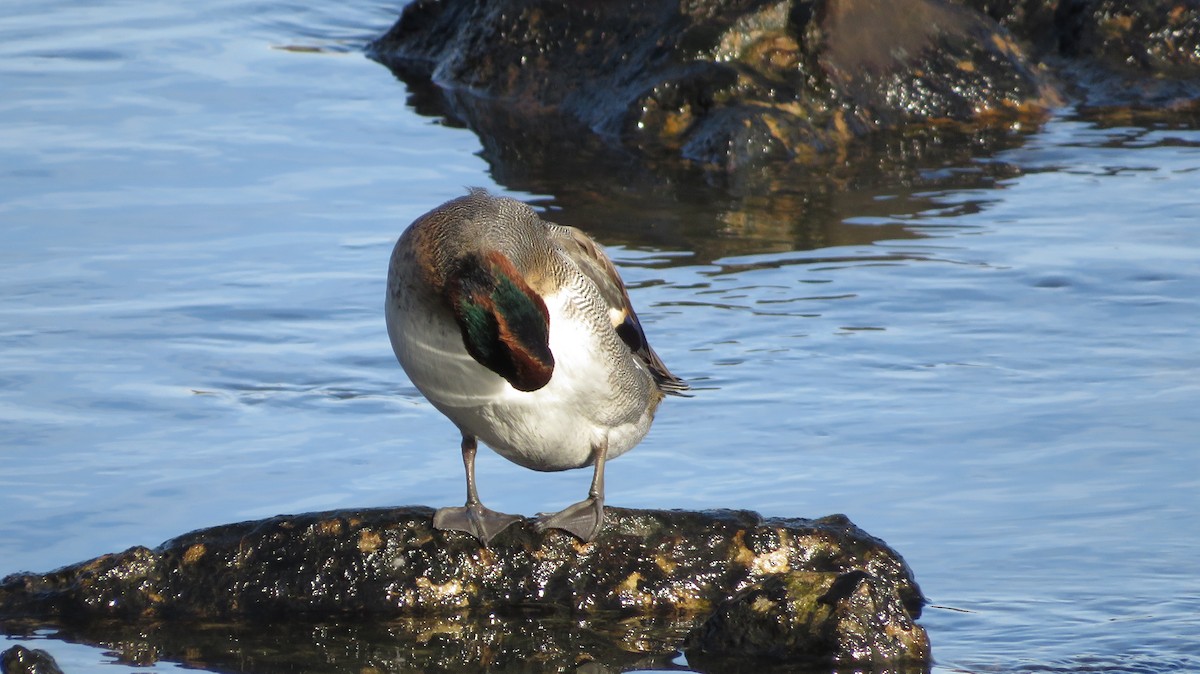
{"points": [[597, 394]]}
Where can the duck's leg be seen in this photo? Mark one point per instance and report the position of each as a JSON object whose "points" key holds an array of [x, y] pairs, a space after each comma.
{"points": [[585, 518], [473, 518]]}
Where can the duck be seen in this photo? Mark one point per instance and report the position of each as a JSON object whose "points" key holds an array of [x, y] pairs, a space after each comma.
{"points": [[521, 332]]}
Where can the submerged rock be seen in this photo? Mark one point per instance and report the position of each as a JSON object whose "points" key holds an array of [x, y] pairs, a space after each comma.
{"points": [[688, 569]]}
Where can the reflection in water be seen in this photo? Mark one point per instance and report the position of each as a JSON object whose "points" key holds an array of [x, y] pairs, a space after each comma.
{"points": [[518, 644], [460, 643], [624, 198]]}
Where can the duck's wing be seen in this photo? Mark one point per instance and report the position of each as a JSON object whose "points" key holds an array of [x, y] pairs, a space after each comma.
{"points": [[597, 266]]}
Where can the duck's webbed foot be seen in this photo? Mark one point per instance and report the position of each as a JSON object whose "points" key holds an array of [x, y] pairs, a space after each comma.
{"points": [[583, 519], [475, 519]]}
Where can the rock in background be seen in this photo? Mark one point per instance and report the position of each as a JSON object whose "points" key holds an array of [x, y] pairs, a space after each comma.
{"points": [[1127, 56], [725, 84]]}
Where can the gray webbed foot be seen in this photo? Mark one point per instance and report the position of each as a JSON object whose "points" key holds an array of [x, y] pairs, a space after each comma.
{"points": [[583, 519], [475, 519]]}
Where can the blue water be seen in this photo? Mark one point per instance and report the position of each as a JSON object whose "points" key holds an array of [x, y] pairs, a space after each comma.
{"points": [[197, 204]]}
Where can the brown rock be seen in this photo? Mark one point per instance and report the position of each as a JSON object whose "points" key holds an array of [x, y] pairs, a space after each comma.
{"points": [[390, 564]]}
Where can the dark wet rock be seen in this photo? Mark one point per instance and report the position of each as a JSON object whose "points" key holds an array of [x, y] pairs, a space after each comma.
{"points": [[389, 564], [1159, 37], [729, 84], [21, 660], [1153, 36], [1134, 53], [1139, 54]]}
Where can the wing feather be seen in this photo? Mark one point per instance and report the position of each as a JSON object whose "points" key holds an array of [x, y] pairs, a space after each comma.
{"points": [[597, 266]]}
